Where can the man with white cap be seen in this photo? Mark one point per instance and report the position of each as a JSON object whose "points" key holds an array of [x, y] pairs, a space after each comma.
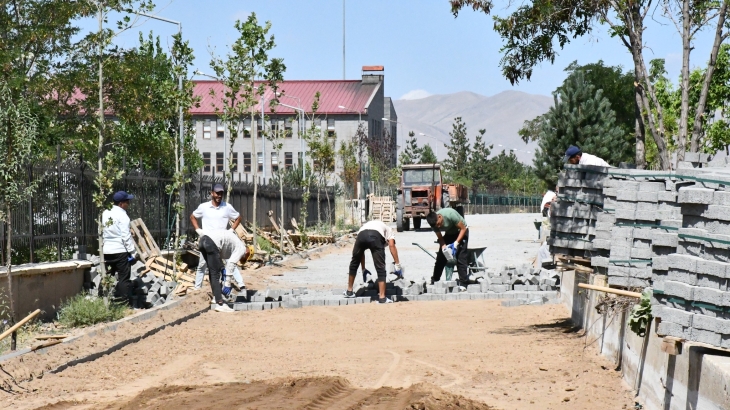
{"points": [[575, 156], [119, 250], [214, 246], [373, 236], [215, 215]]}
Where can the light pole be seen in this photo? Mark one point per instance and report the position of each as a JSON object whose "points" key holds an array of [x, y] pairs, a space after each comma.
{"points": [[301, 126], [359, 147], [437, 145], [181, 162]]}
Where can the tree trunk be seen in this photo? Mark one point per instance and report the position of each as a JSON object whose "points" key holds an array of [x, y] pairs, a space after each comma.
{"points": [[254, 154], [319, 213], [281, 204], [684, 101], [640, 133], [8, 269], [100, 147], [700, 110]]}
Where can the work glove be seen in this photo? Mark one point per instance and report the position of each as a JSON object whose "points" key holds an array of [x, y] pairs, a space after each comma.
{"points": [[226, 279], [199, 232], [453, 247], [398, 270]]}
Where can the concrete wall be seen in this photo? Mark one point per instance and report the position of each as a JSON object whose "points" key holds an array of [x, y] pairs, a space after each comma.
{"points": [[44, 285], [696, 379]]}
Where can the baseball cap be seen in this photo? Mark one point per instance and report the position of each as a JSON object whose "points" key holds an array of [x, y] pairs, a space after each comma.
{"points": [[572, 151], [120, 196], [218, 188]]}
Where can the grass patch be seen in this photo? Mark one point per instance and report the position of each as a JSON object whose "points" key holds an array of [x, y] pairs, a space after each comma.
{"points": [[84, 310], [265, 244], [26, 335]]}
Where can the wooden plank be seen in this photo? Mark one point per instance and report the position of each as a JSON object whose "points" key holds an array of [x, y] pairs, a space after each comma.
{"points": [[142, 248], [46, 337], [46, 344], [672, 345], [148, 237], [19, 324], [610, 290]]}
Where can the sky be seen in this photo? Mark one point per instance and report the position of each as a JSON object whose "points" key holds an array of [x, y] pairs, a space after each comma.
{"points": [[424, 49]]}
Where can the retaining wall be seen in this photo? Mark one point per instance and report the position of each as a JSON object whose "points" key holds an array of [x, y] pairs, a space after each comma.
{"points": [[44, 286]]}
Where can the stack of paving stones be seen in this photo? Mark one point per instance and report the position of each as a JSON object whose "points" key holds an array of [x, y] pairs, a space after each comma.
{"points": [[692, 302], [638, 227], [149, 290], [574, 216], [523, 284]]}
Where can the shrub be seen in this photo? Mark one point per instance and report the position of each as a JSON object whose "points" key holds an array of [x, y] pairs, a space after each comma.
{"points": [[86, 310]]}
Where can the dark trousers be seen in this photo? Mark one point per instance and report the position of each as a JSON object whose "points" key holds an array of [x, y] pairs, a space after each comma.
{"points": [[118, 263], [462, 259], [209, 251], [375, 242]]}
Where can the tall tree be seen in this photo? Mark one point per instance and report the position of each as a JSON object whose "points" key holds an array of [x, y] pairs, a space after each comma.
{"points": [[247, 62], [426, 155], [580, 116], [457, 158], [410, 154], [18, 136], [479, 168]]}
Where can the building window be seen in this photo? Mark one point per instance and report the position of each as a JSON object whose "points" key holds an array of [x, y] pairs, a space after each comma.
{"points": [[274, 161], [260, 160], [259, 128], [235, 162], [331, 127], [206, 131], [287, 128], [218, 162], [275, 128], [220, 130], [206, 161], [246, 162], [247, 128], [288, 160]]}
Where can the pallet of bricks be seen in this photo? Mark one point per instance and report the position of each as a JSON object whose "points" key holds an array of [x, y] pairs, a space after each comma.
{"points": [[574, 216], [382, 208], [638, 227], [692, 301]]}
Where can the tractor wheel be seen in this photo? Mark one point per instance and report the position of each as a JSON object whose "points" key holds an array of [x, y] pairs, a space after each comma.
{"points": [[416, 223], [445, 200], [399, 220], [406, 224]]}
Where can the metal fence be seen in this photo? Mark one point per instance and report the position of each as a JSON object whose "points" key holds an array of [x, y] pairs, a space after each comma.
{"points": [[60, 217], [504, 203]]}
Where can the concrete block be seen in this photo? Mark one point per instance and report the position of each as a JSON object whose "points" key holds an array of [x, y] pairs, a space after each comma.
{"points": [[599, 261], [660, 263], [721, 198], [679, 289], [601, 244], [620, 252], [625, 214], [500, 288], [332, 302], [667, 196], [673, 329], [705, 336], [707, 295], [678, 316], [513, 302], [474, 288], [680, 275], [692, 195], [712, 324], [647, 197], [683, 262], [712, 268], [638, 253], [662, 238], [451, 296], [626, 195], [652, 186]]}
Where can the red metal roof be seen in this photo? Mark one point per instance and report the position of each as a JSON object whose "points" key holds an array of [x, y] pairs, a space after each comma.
{"points": [[352, 94]]}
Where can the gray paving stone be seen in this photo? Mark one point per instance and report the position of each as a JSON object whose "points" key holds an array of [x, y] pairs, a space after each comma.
{"points": [[707, 295], [692, 195]]}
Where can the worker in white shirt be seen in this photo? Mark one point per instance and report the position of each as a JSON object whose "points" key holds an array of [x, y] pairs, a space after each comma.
{"points": [[215, 215], [119, 250], [547, 200], [215, 245], [373, 236], [575, 156]]}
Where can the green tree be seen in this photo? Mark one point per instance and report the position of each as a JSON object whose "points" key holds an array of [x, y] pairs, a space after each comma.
{"points": [[426, 155], [18, 136], [580, 116], [457, 158], [247, 62], [479, 166], [411, 153]]}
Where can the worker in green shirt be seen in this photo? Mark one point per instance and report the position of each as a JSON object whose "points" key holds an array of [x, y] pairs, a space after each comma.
{"points": [[456, 236]]}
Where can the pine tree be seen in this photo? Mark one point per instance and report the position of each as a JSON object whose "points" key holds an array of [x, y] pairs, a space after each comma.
{"points": [[479, 169], [427, 156], [581, 116], [457, 160], [411, 153]]}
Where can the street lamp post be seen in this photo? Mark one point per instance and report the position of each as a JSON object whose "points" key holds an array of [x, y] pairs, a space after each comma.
{"points": [[437, 145], [181, 162], [359, 121]]}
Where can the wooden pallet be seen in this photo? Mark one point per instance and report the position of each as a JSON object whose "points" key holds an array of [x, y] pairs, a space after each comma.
{"points": [[144, 243], [382, 208], [575, 263]]}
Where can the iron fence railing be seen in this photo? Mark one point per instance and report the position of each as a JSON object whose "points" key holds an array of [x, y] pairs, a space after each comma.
{"points": [[60, 217]]}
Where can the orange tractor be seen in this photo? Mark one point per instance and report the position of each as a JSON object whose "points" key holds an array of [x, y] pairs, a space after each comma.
{"points": [[422, 191]]}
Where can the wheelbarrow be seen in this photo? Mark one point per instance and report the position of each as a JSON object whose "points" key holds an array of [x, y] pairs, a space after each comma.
{"points": [[475, 257]]}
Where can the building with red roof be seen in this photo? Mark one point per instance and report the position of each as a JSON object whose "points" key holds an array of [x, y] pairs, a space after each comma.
{"points": [[343, 105]]}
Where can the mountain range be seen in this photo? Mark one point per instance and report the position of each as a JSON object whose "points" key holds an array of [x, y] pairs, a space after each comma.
{"points": [[502, 115]]}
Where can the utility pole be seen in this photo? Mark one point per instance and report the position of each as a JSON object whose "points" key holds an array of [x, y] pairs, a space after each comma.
{"points": [[343, 39]]}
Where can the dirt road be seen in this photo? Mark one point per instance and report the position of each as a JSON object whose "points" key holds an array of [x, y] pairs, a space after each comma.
{"points": [[348, 357]]}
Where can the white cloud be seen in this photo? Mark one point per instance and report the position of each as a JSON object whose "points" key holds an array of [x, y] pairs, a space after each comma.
{"points": [[241, 15], [415, 95]]}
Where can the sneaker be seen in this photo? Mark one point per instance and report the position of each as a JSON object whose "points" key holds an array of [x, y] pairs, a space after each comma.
{"points": [[223, 308], [237, 286], [462, 289], [385, 300], [348, 294]]}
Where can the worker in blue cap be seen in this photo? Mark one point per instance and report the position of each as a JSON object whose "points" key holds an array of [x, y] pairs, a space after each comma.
{"points": [[575, 156], [119, 249]]}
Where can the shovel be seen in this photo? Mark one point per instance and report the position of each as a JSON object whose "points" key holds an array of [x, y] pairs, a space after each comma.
{"points": [[449, 266]]}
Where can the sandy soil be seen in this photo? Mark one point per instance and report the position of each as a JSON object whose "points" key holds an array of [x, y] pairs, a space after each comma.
{"points": [[509, 358]]}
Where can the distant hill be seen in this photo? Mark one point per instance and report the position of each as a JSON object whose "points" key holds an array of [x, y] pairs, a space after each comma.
{"points": [[502, 115]]}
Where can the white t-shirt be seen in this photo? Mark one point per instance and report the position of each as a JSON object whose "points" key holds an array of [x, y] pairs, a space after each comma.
{"points": [[588, 159], [384, 230], [215, 217], [547, 198], [229, 244]]}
